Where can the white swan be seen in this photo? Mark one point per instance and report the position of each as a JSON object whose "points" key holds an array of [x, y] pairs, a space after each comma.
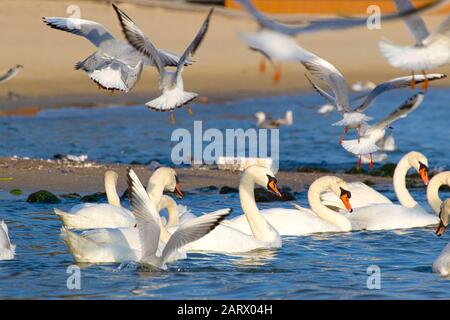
{"points": [[7, 250], [442, 264], [363, 195], [112, 215], [148, 226], [224, 238], [304, 221]]}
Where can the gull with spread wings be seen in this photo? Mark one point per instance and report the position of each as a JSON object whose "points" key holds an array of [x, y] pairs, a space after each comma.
{"points": [[431, 50], [170, 82], [115, 65], [276, 42], [352, 118], [373, 134], [148, 224]]}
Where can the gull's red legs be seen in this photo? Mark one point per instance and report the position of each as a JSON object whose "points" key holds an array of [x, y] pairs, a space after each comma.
{"points": [[189, 110], [277, 74], [359, 162], [359, 134], [343, 134], [172, 118], [371, 163], [426, 82], [262, 65], [412, 83]]}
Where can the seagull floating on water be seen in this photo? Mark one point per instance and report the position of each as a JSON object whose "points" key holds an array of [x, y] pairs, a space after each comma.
{"points": [[269, 123]]}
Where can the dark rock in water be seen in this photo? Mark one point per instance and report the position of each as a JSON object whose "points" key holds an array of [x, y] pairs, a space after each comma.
{"points": [[16, 192], [369, 182], [226, 190], [386, 170], [73, 195], [95, 197], [311, 169], [135, 162], [43, 196], [356, 170], [207, 189], [262, 195], [124, 195]]}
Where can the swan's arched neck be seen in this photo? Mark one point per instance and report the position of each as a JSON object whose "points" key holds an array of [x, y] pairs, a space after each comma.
{"points": [[261, 229], [436, 182], [319, 186], [399, 180], [110, 188]]}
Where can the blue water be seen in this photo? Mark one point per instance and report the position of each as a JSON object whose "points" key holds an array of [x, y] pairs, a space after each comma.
{"points": [[123, 135], [330, 266]]}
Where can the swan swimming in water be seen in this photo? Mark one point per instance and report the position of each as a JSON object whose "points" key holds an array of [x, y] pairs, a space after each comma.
{"points": [[7, 250], [224, 238], [148, 229], [113, 215]]}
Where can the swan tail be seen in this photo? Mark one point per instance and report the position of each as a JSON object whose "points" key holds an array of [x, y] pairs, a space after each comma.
{"points": [[170, 100], [77, 244], [365, 146], [69, 220]]}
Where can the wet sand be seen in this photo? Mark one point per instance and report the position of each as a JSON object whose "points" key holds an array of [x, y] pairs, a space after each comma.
{"points": [[225, 68], [59, 177]]}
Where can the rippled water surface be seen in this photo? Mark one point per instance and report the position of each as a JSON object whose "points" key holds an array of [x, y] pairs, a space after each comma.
{"points": [[329, 266]]}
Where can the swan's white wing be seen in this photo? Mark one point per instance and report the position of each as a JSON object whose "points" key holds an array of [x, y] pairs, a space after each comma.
{"points": [[397, 83], [138, 39], [195, 43], [414, 23], [326, 72], [147, 216], [11, 73], [401, 112], [328, 24], [192, 230], [91, 30], [5, 242]]}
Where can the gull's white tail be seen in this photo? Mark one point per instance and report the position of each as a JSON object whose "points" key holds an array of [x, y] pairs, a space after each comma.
{"points": [[171, 99]]}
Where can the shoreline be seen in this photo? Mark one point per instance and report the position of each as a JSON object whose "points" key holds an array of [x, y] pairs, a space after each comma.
{"points": [[30, 175]]}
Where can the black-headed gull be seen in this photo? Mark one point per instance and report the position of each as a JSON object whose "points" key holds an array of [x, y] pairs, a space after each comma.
{"points": [[170, 82]]}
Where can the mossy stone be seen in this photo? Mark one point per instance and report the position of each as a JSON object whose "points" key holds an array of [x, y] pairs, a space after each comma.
{"points": [[43, 196]]}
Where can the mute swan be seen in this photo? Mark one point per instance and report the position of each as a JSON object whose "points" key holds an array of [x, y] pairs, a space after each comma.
{"points": [[431, 50], [115, 65], [112, 215], [148, 230], [7, 250], [368, 143], [276, 41], [351, 118], [262, 122], [407, 215], [304, 221], [225, 238], [363, 195], [442, 264], [170, 82]]}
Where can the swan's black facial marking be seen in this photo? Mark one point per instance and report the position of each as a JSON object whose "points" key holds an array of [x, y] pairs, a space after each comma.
{"points": [[272, 185], [345, 192], [177, 180]]}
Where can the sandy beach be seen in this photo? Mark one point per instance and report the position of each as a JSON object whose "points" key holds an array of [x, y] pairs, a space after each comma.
{"points": [[225, 68]]}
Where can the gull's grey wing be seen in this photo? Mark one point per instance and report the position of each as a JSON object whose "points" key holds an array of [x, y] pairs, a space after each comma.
{"points": [[322, 92], [443, 29], [397, 83], [138, 40], [415, 23], [91, 30], [326, 72], [11, 73], [190, 50], [192, 230], [401, 112], [329, 24], [147, 216], [171, 59]]}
